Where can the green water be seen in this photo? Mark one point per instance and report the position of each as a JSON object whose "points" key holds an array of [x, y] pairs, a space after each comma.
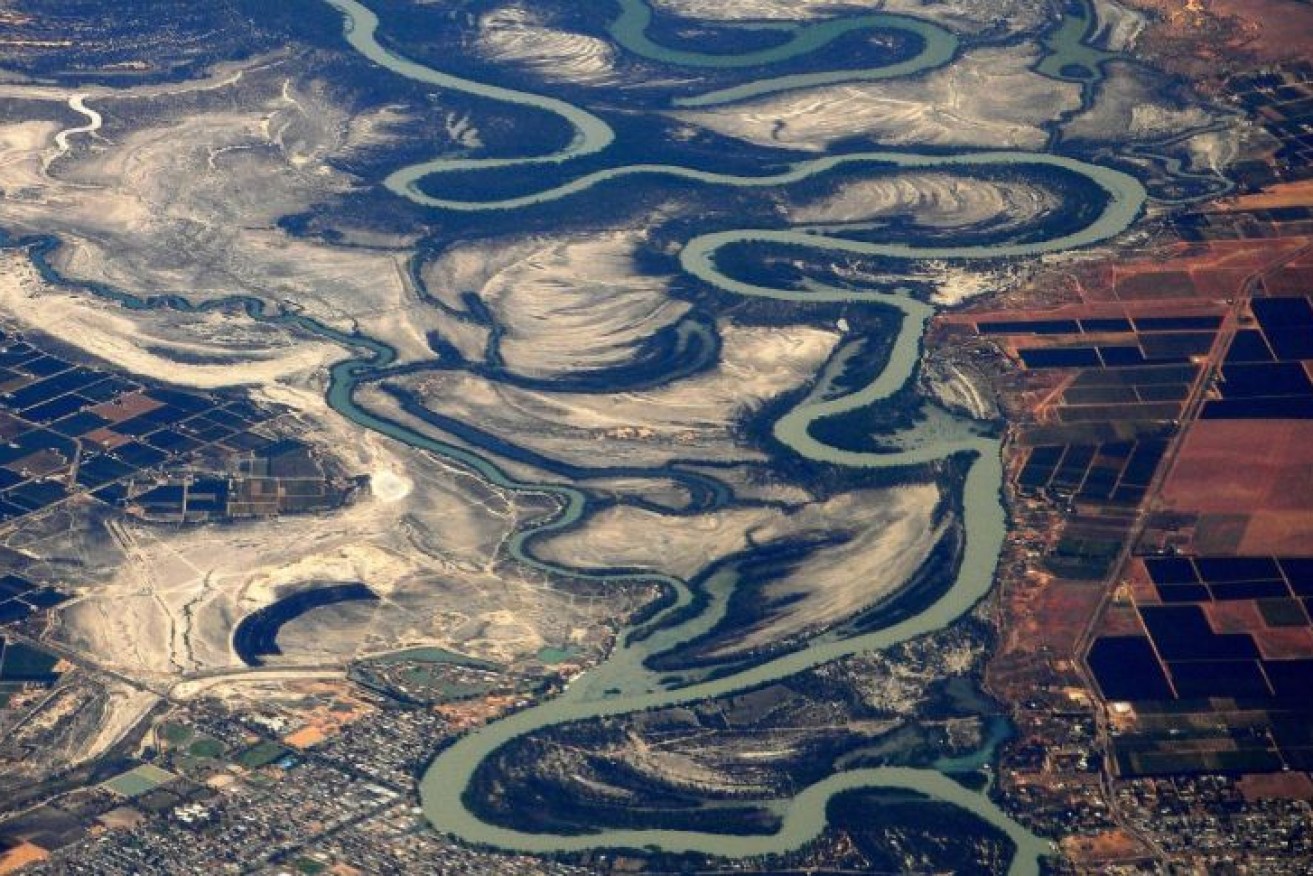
{"points": [[622, 685], [938, 46], [1070, 57]]}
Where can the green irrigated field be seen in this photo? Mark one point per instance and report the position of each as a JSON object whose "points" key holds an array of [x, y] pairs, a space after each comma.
{"points": [[139, 780], [262, 754]]}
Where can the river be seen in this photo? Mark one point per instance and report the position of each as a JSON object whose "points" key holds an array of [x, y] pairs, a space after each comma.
{"points": [[622, 685]]}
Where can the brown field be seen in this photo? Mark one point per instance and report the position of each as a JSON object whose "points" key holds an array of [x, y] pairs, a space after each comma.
{"points": [[1273, 31], [1294, 278], [38, 464], [1220, 534], [1095, 309], [1101, 849], [1292, 194], [1239, 616], [1277, 786], [1253, 478], [1136, 572], [1049, 613], [1100, 287], [122, 818], [1143, 592], [1285, 643], [106, 438], [1208, 271], [1278, 532], [1156, 285], [126, 407], [1206, 39], [306, 737], [1221, 283], [1060, 614], [21, 856], [1120, 620]]}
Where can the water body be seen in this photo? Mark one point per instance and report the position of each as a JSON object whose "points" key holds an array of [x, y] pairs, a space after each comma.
{"points": [[938, 47], [622, 685], [1070, 56], [1113, 181], [591, 133], [630, 31]]}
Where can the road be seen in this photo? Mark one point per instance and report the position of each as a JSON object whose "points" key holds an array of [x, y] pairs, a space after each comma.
{"points": [[1190, 411]]}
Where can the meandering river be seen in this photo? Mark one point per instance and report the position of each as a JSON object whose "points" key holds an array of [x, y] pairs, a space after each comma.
{"points": [[622, 685]]}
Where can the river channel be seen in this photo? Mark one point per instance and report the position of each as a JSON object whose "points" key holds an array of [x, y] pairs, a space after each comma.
{"points": [[622, 685]]}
